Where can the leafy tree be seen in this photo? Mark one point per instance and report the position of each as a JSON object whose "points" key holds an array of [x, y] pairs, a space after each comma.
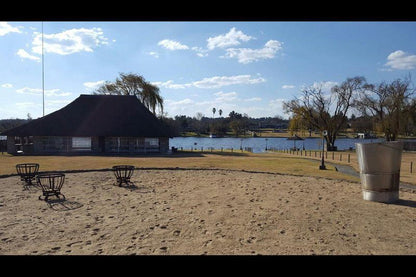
{"points": [[296, 124], [133, 84], [238, 123], [219, 128], [234, 115]]}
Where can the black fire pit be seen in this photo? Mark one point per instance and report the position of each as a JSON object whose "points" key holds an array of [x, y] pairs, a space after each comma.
{"points": [[27, 172], [51, 184], [123, 173]]}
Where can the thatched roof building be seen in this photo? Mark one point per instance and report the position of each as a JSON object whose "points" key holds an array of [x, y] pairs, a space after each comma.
{"points": [[94, 123]]}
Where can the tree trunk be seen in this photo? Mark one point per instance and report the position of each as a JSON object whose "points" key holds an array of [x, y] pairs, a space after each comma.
{"points": [[330, 143]]}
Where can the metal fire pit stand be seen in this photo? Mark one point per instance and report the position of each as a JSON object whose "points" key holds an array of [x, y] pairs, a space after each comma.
{"points": [[123, 173], [27, 172], [51, 184]]}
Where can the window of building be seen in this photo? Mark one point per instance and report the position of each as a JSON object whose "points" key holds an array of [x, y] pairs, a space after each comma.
{"points": [[81, 143], [151, 142]]}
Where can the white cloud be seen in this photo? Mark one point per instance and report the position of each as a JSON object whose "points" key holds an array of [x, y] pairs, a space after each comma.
{"points": [[248, 55], [254, 99], [6, 85], [6, 28], [401, 60], [154, 54], [288, 86], [324, 85], [171, 85], [220, 81], [200, 52], [93, 85], [172, 45], [214, 82], [25, 55], [276, 107], [38, 91], [24, 106], [186, 101], [232, 38], [69, 41], [225, 96]]}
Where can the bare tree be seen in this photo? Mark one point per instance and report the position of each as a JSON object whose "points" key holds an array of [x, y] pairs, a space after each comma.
{"points": [[324, 111], [390, 104]]}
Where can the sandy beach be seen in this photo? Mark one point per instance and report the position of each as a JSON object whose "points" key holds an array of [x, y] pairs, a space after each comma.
{"points": [[197, 212]]}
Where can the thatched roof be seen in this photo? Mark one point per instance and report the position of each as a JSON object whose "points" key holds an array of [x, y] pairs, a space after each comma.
{"points": [[96, 115]]}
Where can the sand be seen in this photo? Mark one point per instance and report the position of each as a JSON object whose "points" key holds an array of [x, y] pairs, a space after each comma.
{"points": [[197, 212]]}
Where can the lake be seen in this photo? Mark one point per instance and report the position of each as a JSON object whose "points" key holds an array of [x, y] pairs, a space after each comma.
{"points": [[259, 145]]}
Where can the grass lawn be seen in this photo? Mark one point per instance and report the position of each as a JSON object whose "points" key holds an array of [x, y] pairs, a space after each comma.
{"points": [[266, 162], [274, 162], [407, 168]]}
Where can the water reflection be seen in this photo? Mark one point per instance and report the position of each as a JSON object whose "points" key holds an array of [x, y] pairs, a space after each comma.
{"points": [[259, 145]]}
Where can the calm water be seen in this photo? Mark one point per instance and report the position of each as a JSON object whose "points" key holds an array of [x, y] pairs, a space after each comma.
{"points": [[259, 144]]}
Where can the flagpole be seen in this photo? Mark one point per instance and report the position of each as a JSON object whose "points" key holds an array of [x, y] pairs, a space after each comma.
{"points": [[43, 76]]}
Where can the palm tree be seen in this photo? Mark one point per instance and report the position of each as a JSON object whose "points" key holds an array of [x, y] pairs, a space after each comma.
{"points": [[213, 111], [133, 84], [220, 112]]}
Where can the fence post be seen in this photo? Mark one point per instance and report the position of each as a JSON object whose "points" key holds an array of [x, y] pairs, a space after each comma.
{"points": [[411, 167], [348, 158]]}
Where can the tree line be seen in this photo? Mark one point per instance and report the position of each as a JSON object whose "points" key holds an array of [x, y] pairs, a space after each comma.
{"points": [[386, 107], [235, 124]]}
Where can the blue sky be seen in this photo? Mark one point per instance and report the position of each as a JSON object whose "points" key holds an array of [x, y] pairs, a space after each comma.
{"points": [[249, 67]]}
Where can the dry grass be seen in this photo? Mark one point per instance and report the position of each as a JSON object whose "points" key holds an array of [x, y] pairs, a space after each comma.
{"points": [[407, 169], [270, 162], [277, 162]]}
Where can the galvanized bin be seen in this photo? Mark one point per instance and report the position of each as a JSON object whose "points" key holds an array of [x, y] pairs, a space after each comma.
{"points": [[379, 165]]}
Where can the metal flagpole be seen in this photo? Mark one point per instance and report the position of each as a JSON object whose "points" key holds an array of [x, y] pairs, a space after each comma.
{"points": [[43, 76]]}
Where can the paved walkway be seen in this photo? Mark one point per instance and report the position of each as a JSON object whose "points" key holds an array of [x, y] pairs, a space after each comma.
{"points": [[351, 171]]}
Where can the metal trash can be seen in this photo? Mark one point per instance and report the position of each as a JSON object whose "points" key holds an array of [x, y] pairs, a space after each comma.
{"points": [[379, 165]]}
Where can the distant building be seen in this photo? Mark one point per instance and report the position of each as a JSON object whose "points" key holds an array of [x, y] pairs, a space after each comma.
{"points": [[92, 124], [365, 136]]}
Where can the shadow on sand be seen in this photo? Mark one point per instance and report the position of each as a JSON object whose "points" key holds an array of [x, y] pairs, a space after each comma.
{"points": [[63, 204], [405, 203], [133, 187]]}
